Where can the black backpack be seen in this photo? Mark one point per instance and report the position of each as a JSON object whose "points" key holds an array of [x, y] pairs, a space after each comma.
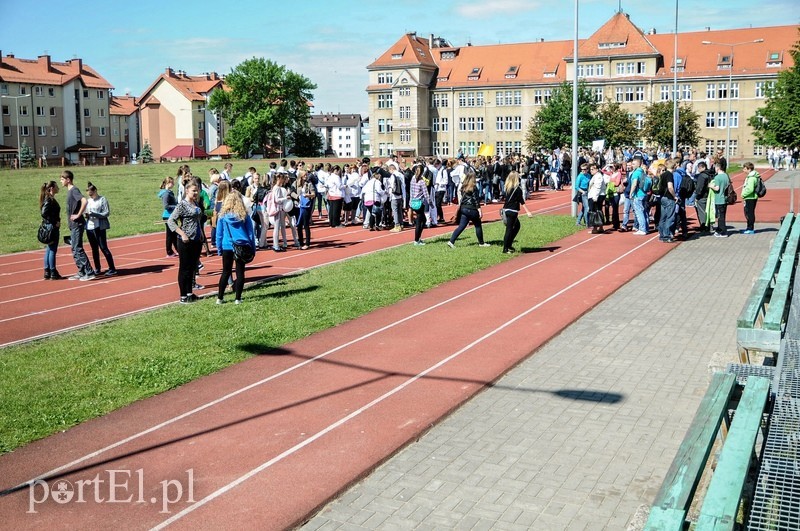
{"points": [[761, 188], [730, 194], [687, 184]]}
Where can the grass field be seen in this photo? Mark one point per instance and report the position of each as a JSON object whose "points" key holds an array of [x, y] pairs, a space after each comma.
{"points": [[49, 385]]}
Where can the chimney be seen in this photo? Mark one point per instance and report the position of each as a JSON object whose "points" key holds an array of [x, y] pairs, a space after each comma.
{"points": [[1, 57], [431, 42], [170, 72], [45, 61], [76, 64]]}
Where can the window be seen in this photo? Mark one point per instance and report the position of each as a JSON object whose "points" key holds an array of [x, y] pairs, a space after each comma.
{"points": [[517, 97], [381, 126], [101, 113], [85, 93], [600, 68], [710, 122], [115, 132], [200, 126], [435, 126], [537, 97], [24, 131], [103, 148], [54, 131], [722, 91], [474, 74], [41, 130], [686, 92], [760, 92], [86, 112], [103, 132], [620, 69], [462, 124], [499, 123], [101, 94], [709, 146], [711, 91], [758, 150], [509, 121], [665, 90], [405, 136], [87, 132], [735, 91], [38, 91], [22, 90], [52, 93], [52, 111], [404, 91], [445, 126], [734, 119], [471, 123], [619, 92], [384, 101], [23, 110], [54, 151], [518, 123], [5, 110], [480, 123], [734, 147], [6, 130], [639, 93], [440, 100], [722, 119], [405, 112], [547, 94], [639, 120], [598, 94], [385, 78], [382, 149], [441, 148], [629, 94], [39, 111]]}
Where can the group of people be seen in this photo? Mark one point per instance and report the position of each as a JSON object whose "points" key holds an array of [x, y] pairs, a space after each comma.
{"points": [[783, 158], [83, 215], [659, 190]]}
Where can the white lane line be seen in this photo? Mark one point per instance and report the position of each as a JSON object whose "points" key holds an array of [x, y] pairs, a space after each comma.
{"points": [[288, 370], [294, 449]]}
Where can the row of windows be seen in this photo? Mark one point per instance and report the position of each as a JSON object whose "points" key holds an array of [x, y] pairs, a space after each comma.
{"points": [[508, 97], [42, 130], [509, 123], [39, 91], [591, 70], [40, 111], [470, 123], [712, 146], [720, 119], [470, 99]]}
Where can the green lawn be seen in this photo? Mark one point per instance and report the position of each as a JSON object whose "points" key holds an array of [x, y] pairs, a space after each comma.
{"points": [[49, 385]]}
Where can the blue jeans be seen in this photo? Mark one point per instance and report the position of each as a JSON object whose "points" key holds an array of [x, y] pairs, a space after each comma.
{"points": [[81, 260], [667, 218], [627, 207], [584, 214], [487, 190], [638, 211], [50, 253]]}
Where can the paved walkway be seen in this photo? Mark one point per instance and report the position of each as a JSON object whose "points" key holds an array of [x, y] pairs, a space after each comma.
{"points": [[581, 434]]}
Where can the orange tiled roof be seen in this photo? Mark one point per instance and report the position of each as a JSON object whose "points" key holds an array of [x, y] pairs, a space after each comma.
{"points": [[618, 30], [43, 71], [409, 50], [193, 88], [703, 59], [123, 105]]}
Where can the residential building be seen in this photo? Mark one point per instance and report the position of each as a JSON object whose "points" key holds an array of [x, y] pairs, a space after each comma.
{"points": [[341, 133], [427, 96], [366, 138], [58, 109], [174, 116], [124, 112]]}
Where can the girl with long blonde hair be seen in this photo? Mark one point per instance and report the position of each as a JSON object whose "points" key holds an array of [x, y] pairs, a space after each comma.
{"points": [[234, 227]]}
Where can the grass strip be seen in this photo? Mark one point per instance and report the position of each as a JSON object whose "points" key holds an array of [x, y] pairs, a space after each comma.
{"points": [[50, 385]]}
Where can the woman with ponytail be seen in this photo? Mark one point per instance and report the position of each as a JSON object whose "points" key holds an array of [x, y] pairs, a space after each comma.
{"points": [[51, 213], [97, 224]]}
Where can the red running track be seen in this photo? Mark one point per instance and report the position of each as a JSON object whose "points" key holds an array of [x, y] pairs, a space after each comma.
{"points": [[266, 442]]}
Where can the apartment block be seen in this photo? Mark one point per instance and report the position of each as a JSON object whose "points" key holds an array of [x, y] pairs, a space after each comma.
{"points": [[124, 112], [341, 133]]}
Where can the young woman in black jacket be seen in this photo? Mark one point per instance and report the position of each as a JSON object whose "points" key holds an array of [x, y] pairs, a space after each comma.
{"points": [[51, 213], [470, 209]]}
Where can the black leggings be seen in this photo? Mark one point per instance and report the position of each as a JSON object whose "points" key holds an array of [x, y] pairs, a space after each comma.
{"points": [[334, 212], [227, 268], [171, 239], [188, 256], [99, 243], [512, 229], [419, 223]]}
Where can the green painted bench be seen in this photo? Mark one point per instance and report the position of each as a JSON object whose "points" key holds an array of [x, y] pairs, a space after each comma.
{"points": [[721, 502], [762, 321]]}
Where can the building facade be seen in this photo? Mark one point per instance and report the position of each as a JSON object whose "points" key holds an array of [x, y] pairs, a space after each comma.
{"points": [[59, 109], [341, 134], [427, 97], [124, 112], [174, 117]]}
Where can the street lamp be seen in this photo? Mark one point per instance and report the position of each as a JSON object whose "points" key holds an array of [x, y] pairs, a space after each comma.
{"points": [[730, 90], [16, 113]]}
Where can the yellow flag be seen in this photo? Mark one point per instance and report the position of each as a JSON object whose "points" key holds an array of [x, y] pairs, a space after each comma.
{"points": [[486, 150]]}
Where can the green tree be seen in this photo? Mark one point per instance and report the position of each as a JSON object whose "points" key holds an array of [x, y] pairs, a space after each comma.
{"points": [[263, 105], [552, 125], [27, 158], [617, 127], [658, 120], [777, 123], [146, 154], [305, 142]]}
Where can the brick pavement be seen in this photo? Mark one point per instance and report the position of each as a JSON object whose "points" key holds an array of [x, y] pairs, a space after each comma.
{"points": [[581, 434]]}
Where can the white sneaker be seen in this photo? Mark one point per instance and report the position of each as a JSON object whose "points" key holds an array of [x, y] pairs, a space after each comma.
{"points": [[451, 245], [640, 233], [220, 301]]}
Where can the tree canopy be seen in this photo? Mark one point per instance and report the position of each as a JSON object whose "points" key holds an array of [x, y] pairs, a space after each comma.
{"points": [[617, 127], [658, 124], [778, 122], [552, 125], [263, 103]]}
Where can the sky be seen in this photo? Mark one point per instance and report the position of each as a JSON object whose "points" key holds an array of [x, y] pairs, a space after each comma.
{"points": [[329, 42]]}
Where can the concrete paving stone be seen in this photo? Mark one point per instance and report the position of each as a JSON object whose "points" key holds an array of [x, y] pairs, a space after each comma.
{"points": [[384, 505]]}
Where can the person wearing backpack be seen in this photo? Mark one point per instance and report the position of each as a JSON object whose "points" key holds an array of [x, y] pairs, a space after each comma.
{"points": [[749, 196], [719, 185], [684, 187], [701, 195], [669, 195]]}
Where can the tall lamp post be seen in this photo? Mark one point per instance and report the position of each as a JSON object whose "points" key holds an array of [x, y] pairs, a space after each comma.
{"points": [[16, 114], [730, 90]]}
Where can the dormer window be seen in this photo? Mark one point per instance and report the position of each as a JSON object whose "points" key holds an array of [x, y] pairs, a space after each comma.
{"points": [[550, 72], [680, 65], [397, 56], [444, 74], [511, 73], [608, 45], [448, 56], [724, 62], [774, 59], [475, 74]]}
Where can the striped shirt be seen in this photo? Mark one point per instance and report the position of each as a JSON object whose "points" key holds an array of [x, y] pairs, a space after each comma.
{"points": [[190, 215]]}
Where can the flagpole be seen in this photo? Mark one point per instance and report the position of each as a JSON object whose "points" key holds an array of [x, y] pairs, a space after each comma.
{"points": [[574, 172]]}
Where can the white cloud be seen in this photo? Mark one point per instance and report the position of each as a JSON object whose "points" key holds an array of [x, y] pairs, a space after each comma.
{"points": [[482, 10]]}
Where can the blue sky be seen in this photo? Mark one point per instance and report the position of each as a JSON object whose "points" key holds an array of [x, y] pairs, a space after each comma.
{"points": [[330, 42]]}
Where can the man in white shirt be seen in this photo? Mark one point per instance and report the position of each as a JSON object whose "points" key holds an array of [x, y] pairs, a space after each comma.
{"points": [[226, 173]]}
